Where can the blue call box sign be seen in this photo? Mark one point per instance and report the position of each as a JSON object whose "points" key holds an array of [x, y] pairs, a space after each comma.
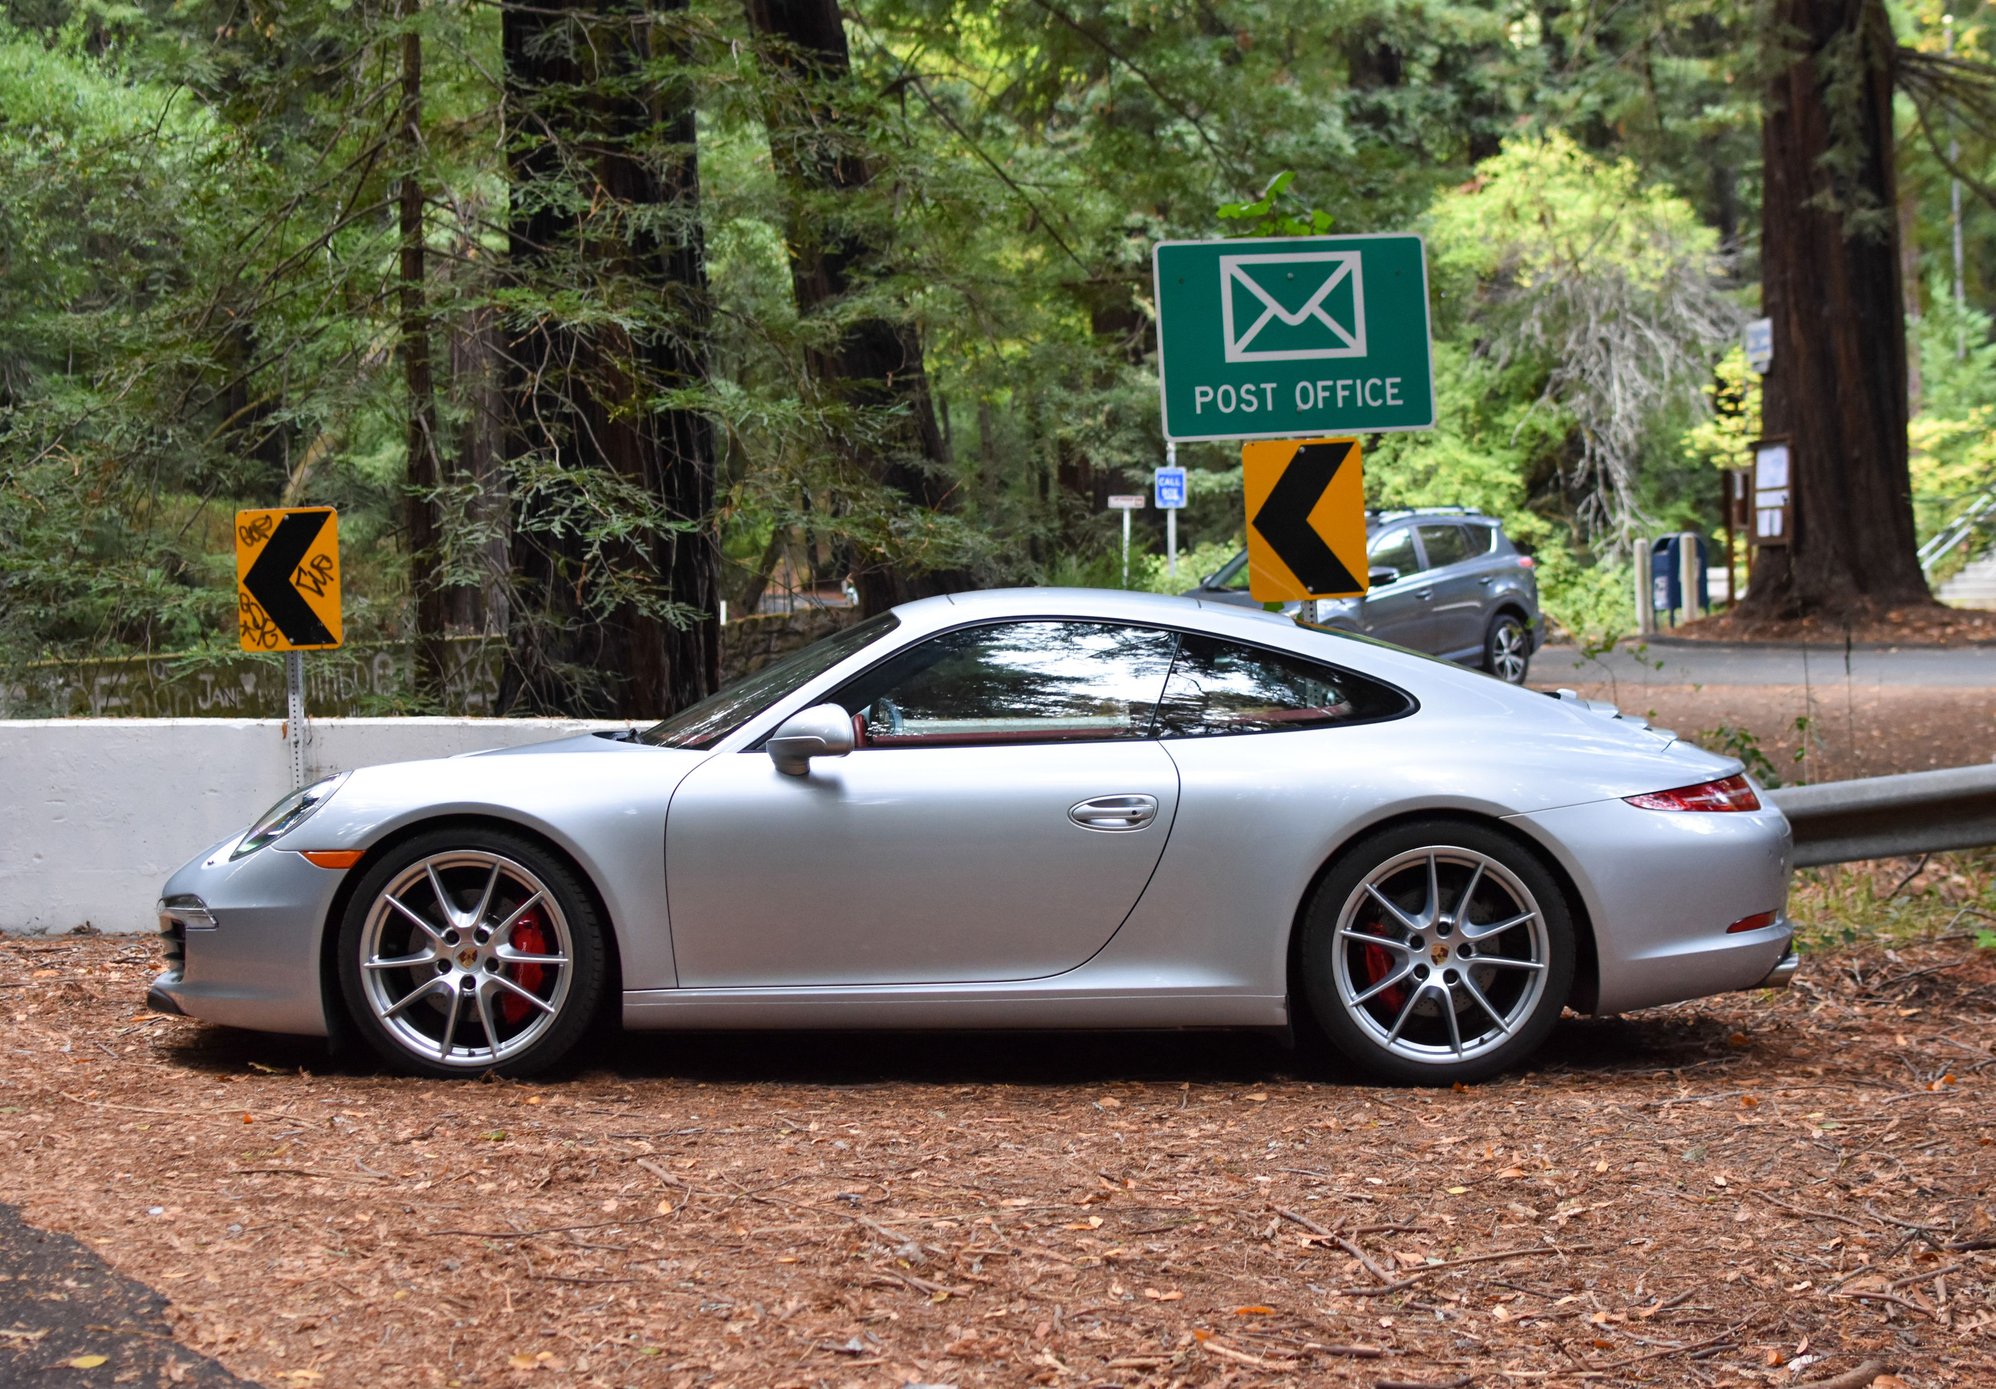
{"points": [[1169, 484], [1279, 337]]}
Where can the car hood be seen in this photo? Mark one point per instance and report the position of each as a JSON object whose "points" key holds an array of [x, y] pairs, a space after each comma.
{"points": [[605, 740], [558, 788]]}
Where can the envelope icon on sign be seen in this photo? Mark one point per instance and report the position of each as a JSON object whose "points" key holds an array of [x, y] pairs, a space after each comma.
{"points": [[1292, 308]]}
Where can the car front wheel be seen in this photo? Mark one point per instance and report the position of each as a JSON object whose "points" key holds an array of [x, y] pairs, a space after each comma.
{"points": [[1507, 648], [1437, 952], [468, 951]]}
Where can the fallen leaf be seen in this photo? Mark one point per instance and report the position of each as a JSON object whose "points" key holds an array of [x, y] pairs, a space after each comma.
{"points": [[1168, 1295], [1255, 1311], [86, 1362]]}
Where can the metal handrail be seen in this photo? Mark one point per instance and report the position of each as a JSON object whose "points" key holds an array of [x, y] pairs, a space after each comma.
{"points": [[1944, 540], [1887, 816]]}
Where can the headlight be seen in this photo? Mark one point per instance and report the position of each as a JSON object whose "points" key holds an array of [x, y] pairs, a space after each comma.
{"points": [[287, 815]]}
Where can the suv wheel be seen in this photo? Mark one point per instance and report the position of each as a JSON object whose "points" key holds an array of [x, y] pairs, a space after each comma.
{"points": [[1507, 648]]}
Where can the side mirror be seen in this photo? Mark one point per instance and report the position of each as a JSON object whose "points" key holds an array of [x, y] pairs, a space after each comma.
{"points": [[1382, 575], [823, 730]]}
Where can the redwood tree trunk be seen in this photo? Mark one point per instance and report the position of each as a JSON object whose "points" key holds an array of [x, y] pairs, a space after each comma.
{"points": [[419, 378], [1831, 285], [875, 362], [590, 120]]}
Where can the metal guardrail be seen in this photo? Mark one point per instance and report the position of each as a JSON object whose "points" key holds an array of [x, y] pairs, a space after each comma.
{"points": [[1886, 816]]}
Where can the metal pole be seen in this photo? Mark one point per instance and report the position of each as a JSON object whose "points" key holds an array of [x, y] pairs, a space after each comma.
{"points": [[1954, 218], [294, 714], [1171, 519], [1126, 547]]}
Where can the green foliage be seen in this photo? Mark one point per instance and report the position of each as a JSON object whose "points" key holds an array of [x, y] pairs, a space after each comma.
{"points": [[1271, 214], [199, 286]]}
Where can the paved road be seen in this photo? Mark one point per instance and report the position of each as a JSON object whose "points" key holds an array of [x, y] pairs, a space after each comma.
{"points": [[1706, 663], [66, 1318]]}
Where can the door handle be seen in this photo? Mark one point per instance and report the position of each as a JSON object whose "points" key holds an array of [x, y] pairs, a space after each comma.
{"points": [[1114, 812], [1425, 593], [1485, 581]]}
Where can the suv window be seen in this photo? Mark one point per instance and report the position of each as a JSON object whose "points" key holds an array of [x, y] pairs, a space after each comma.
{"points": [[1445, 544], [1394, 550], [1221, 687], [1014, 682]]}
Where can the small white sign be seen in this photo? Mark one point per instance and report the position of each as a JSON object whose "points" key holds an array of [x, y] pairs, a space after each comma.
{"points": [[1135, 503], [1758, 340], [1770, 467]]}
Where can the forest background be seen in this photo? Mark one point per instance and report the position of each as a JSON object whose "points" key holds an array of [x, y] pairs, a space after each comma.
{"points": [[591, 316]]}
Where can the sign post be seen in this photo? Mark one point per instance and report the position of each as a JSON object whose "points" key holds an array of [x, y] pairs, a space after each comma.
{"points": [[1287, 337], [288, 598], [1126, 504], [1169, 484]]}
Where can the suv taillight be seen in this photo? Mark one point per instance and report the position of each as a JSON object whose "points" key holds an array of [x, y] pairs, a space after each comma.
{"points": [[1734, 793]]}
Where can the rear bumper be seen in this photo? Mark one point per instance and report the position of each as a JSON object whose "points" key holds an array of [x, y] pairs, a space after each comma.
{"points": [[1661, 889], [1783, 971]]}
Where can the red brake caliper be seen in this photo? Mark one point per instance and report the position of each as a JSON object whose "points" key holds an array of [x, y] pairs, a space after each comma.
{"points": [[1379, 962], [529, 938]]}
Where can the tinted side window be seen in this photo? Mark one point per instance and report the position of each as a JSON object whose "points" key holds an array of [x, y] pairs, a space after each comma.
{"points": [[1220, 687], [1014, 682], [1445, 545], [1394, 550]]}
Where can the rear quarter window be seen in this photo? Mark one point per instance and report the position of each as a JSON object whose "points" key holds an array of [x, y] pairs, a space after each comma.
{"points": [[1219, 688]]}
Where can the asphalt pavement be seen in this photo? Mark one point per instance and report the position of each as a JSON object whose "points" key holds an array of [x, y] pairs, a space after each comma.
{"points": [[67, 1318], [1666, 662]]}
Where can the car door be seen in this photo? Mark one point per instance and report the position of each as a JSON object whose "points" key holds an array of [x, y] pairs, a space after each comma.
{"points": [[1459, 599], [1398, 611], [1000, 816]]}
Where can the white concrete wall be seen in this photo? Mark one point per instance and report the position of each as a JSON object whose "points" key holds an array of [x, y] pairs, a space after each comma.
{"points": [[94, 813]]}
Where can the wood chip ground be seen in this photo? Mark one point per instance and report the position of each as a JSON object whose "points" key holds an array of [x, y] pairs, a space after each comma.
{"points": [[1764, 1189]]}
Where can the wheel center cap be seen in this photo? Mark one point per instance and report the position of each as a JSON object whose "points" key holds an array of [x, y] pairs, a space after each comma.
{"points": [[1439, 954], [466, 958]]}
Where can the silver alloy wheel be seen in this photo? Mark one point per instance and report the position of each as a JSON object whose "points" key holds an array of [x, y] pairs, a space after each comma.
{"points": [[465, 959], [1508, 654], [1440, 955]]}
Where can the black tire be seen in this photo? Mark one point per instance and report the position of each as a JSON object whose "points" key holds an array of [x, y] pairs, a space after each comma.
{"points": [[1507, 648], [1398, 986], [504, 973]]}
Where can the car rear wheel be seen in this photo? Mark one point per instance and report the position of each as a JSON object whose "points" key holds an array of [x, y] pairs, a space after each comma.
{"points": [[1437, 952], [467, 951], [1507, 648]]}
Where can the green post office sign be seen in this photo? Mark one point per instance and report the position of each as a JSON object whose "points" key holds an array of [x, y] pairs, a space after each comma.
{"points": [[1298, 335]]}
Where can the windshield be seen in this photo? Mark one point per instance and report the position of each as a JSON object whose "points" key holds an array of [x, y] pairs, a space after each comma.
{"points": [[704, 724]]}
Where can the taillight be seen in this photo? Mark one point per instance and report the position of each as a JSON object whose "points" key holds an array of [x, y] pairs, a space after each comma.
{"points": [[1527, 562], [1734, 793], [1751, 923]]}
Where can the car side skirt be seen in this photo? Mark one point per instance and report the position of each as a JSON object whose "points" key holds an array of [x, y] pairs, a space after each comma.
{"points": [[1007, 1005]]}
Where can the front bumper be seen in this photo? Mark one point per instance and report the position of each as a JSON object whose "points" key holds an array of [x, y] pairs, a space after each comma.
{"points": [[242, 941]]}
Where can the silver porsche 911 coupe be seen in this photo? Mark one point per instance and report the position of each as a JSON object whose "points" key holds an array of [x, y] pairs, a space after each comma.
{"points": [[1035, 808]]}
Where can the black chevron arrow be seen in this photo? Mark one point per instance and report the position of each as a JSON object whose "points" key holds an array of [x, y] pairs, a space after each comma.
{"points": [[269, 579], [1284, 519]]}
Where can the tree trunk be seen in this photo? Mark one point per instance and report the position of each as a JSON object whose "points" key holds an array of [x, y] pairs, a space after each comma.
{"points": [[1831, 285], [876, 362], [587, 118], [424, 473]]}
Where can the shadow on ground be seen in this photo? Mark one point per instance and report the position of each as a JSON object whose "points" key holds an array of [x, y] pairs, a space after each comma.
{"points": [[1618, 1046]]}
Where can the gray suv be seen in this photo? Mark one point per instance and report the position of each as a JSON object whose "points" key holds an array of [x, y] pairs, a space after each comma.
{"points": [[1445, 580]]}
